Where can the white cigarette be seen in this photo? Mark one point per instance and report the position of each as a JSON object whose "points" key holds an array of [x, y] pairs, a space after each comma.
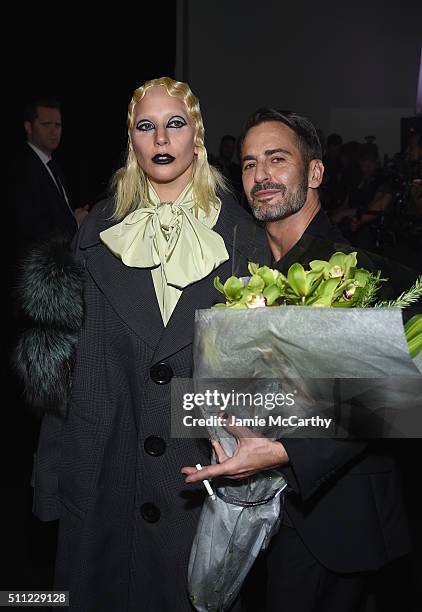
{"points": [[206, 483]]}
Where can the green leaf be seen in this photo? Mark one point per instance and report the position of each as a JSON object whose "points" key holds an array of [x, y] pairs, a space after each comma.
{"points": [[415, 345], [366, 294], [296, 278], [219, 285], [362, 276], [253, 268], [405, 299], [320, 264], [281, 282], [237, 305], [312, 280], [413, 327], [233, 288], [267, 275], [326, 291], [256, 284], [271, 294], [350, 264], [343, 304]]}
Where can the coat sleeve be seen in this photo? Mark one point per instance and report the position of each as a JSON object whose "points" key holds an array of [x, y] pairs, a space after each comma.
{"points": [[49, 294], [45, 482], [317, 461]]}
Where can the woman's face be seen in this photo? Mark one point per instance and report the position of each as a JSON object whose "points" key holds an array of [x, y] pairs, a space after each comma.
{"points": [[163, 140]]}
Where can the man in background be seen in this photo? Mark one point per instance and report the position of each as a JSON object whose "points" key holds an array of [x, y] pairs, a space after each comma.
{"points": [[39, 197]]}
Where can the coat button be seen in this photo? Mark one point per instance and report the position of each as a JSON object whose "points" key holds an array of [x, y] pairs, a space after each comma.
{"points": [[150, 513], [161, 373], [154, 446]]}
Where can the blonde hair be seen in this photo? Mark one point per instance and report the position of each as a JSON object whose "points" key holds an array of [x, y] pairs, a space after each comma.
{"points": [[130, 181]]}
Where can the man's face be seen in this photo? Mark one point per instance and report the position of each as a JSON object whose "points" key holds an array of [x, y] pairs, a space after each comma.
{"points": [[274, 175], [163, 138], [46, 130]]}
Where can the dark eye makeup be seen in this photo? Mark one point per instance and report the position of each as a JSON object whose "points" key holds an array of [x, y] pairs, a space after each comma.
{"points": [[176, 122], [144, 125]]}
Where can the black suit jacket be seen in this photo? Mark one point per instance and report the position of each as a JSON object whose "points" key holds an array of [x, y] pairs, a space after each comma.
{"points": [[39, 209], [344, 496]]}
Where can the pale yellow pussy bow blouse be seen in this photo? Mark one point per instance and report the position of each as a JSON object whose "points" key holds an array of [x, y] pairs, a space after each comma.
{"points": [[174, 239]]}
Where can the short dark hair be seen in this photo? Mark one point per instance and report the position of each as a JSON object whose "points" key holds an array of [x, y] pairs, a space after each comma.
{"points": [[307, 138], [30, 112]]}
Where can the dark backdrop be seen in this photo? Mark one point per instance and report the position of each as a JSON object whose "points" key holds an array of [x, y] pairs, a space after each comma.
{"points": [[91, 63]]}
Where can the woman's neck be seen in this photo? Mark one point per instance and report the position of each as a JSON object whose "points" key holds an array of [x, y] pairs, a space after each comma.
{"points": [[169, 192]]}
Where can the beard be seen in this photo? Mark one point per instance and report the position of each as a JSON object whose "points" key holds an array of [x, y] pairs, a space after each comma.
{"points": [[287, 203]]}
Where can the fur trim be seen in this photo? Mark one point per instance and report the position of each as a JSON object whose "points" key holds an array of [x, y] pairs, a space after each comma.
{"points": [[49, 286], [49, 292], [44, 359]]}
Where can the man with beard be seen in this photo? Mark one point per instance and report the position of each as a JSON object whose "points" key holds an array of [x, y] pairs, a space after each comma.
{"points": [[343, 515], [282, 170]]}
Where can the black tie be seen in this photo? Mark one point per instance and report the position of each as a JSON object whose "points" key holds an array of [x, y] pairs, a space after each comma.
{"points": [[56, 173]]}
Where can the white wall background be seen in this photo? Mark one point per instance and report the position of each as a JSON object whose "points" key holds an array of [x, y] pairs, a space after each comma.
{"points": [[351, 67]]}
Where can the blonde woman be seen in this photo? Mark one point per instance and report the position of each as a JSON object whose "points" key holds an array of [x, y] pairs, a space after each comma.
{"points": [[106, 465]]}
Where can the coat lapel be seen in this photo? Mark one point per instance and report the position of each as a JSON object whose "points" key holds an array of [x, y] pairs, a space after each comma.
{"points": [[245, 241], [179, 330], [131, 291]]}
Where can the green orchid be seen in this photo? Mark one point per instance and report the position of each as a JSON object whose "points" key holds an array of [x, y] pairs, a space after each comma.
{"points": [[325, 293], [302, 282], [256, 283], [339, 265], [271, 294], [268, 275], [336, 283], [253, 268]]}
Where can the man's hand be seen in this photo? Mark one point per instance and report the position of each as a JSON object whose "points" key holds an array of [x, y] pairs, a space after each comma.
{"points": [[252, 455]]}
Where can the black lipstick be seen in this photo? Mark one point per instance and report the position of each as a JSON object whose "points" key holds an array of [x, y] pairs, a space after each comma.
{"points": [[166, 158]]}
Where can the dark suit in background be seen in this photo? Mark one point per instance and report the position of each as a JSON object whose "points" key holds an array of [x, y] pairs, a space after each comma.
{"points": [[39, 207], [35, 210]]}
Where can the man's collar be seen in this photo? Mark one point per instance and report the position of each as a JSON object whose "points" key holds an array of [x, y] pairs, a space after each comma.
{"points": [[43, 156], [319, 231]]}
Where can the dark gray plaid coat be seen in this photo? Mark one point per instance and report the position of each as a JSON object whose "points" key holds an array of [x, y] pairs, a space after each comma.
{"points": [[110, 470]]}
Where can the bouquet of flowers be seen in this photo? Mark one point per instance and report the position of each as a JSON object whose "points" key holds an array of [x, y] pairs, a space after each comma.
{"points": [[348, 334]]}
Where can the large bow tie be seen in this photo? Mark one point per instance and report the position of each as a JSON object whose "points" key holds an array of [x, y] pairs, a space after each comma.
{"points": [[168, 234]]}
